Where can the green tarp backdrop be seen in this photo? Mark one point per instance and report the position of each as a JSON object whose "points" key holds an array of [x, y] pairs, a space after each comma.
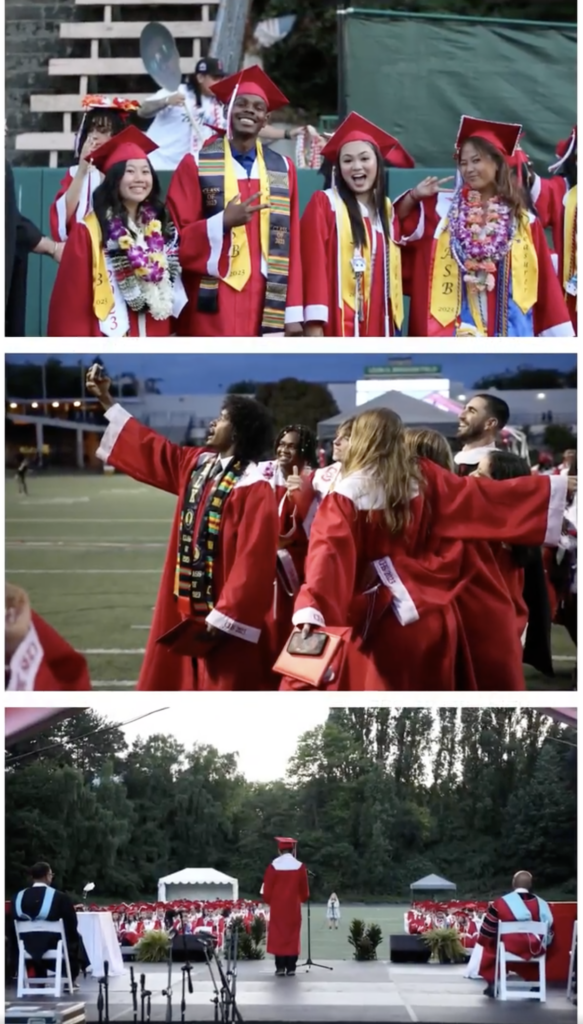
{"points": [[416, 75]]}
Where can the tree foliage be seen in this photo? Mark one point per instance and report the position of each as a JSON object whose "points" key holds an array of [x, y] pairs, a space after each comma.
{"points": [[528, 378], [377, 797], [25, 380], [296, 401]]}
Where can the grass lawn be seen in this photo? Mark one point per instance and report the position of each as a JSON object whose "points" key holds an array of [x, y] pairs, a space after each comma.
{"points": [[89, 550]]}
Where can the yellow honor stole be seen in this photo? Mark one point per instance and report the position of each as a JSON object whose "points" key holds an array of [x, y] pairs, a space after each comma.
{"points": [[103, 301], [239, 271], [446, 281], [570, 237], [346, 254]]}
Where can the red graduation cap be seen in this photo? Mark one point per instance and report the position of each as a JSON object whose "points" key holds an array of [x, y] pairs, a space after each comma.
{"points": [[355, 128], [285, 842], [564, 149], [500, 134], [519, 157], [131, 144], [250, 82]]}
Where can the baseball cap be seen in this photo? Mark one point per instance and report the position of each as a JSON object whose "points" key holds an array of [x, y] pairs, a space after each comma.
{"points": [[210, 66]]}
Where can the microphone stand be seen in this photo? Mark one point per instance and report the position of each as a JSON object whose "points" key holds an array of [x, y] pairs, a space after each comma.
{"points": [[145, 999], [186, 970], [309, 962], [103, 996], [167, 992], [134, 992]]}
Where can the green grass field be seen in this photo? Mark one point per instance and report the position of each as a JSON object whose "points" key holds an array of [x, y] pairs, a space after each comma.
{"points": [[89, 550]]}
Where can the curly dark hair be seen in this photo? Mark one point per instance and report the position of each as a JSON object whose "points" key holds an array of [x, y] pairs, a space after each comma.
{"points": [[114, 120], [507, 466], [569, 169], [351, 201], [508, 187], [107, 202], [252, 427], [306, 443]]}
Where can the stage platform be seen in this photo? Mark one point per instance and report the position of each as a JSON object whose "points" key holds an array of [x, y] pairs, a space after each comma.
{"points": [[358, 992]]}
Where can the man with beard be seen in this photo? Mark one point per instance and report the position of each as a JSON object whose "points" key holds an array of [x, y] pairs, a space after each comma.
{"points": [[208, 630], [480, 422], [235, 205]]}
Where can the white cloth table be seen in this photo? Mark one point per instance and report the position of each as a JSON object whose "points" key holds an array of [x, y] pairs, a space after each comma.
{"points": [[100, 940]]}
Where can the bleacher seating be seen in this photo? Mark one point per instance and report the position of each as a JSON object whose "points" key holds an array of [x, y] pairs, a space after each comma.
{"points": [[103, 68]]}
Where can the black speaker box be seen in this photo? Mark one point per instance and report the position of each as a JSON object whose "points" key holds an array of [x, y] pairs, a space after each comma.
{"points": [[409, 949]]}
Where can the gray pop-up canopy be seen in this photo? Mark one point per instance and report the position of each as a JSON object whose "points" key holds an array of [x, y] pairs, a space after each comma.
{"points": [[413, 412], [432, 883]]}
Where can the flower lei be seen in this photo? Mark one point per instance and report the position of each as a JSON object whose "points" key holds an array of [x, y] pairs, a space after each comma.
{"points": [[145, 264], [480, 236]]}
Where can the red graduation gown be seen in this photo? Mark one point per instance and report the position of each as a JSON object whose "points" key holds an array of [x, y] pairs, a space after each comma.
{"points": [[71, 306], [285, 888], [204, 250], [244, 567], [548, 195], [420, 645], [524, 945], [45, 661], [418, 229], [60, 225], [319, 238], [295, 513]]}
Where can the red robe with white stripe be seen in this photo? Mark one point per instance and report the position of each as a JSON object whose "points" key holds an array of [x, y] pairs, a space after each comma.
{"points": [[60, 224], [244, 567], [71, 305], [550, 314], [549, 196], [44, 661], [421, 639], [319, 238], [524, 945], [285, 888], [204, 250]]}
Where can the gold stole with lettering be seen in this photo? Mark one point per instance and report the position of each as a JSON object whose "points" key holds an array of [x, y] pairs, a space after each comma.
{"points": [[346, 253], [570, 237], [103, 300]]}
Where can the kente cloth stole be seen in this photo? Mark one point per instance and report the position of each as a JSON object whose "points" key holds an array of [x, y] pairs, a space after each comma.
{"points": [[103, 300], [195, 563], [570, 237], [520, 264], [346, 251], [219, 184]]}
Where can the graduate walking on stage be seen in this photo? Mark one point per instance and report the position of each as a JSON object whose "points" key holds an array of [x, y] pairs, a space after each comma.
{"points": [[285, 887], [235, 205]]}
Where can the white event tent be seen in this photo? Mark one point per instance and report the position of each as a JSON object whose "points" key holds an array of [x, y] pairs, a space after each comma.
{"points": [[197, 884]]}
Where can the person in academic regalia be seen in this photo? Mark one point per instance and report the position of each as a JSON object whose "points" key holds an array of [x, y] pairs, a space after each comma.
{"points": [[376, 562], [480, 423], [235, 205], [36, 657], [290, 475], [555, 199], [522, 905], [120, 275], [41, 902], [351, 261], [208, 630], [478, 260], [285, 888], [103, 117]]}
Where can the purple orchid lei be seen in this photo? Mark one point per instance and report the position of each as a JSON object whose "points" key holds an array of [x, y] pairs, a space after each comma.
{"points": [[145, 264], [481, 235]]}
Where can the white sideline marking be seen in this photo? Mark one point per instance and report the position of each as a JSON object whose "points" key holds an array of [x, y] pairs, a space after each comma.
{"points": [[114, 650], [114, 682], [53, 501], [26, 519], [78, 572], [123, 490], [139, 627], [84, 545], [564, 657]]}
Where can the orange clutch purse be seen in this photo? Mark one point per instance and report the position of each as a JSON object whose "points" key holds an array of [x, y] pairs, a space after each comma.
{"points": [[309, 660]]}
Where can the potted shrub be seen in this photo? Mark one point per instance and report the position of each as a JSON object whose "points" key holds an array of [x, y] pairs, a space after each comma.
{"points": [[445, 945], [250, 943], [364, 939], [153, 947]]}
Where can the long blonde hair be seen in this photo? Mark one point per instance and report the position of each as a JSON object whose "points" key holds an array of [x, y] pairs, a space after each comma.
{"points": [[377, 443], [430, 444]]}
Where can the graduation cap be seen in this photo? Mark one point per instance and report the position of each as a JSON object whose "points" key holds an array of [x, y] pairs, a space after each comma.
{"points": [[131, 144], [519, 157], [250, 82], [503, 136], [564, 150], [357, 129], [285, 843]]}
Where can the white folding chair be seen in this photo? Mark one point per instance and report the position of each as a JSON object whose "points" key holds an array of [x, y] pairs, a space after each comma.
{"points": [[519, 990], [571, 985], [56, 957]]}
